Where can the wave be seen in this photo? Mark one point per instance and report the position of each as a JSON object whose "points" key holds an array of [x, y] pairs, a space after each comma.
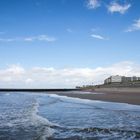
{"points": [[112, 131], [95, 132], [20, 119], [45, 126], [98, 104]]}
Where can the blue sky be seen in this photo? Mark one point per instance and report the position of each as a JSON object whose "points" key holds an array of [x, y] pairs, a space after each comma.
{"points": [[67, 34]]}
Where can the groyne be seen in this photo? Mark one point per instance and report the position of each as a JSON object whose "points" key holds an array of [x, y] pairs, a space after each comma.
{"points": [[34, 90]]}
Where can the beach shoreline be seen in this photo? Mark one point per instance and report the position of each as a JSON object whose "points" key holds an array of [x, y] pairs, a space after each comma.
{"points": [[120, 97]]}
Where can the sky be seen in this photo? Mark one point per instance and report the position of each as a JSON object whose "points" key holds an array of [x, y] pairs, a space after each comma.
{"points": [[67, 43]]}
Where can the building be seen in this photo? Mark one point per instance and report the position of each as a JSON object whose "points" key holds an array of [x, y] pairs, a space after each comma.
{"points": [[134, 78], [113, 79], [121, 79], [126, 79]]}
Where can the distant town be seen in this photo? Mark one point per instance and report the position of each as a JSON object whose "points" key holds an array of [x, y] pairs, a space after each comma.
{"points": [[121, 79], [116, 81]]}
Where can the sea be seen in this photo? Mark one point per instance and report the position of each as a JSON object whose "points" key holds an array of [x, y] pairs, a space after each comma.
{"points": [[45, 116]]}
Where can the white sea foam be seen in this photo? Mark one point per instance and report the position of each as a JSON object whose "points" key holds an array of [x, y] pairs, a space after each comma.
{"points": [[38, 120], [36, 117], [84, 92], [101, 104]]}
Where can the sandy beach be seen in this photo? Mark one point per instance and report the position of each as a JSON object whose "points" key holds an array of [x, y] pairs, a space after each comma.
{"points": [[121, 97]]}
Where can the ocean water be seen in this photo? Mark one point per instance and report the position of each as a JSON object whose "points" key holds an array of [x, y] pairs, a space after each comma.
{"points": [[38, 116]]}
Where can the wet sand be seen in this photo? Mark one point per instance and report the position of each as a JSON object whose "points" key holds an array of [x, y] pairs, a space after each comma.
{"points": [[121, 97]]}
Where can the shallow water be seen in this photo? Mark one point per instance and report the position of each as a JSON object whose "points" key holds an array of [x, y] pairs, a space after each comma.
{"points": [[38, 116]]}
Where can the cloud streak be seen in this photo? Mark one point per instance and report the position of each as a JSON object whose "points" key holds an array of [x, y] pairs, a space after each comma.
{"points": [[135, 26], [96, 36], [115, 7], [29, 39], [49, 77]]}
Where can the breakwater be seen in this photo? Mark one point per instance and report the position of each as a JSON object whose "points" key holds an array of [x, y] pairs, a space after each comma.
{"points": [[35, 90]]}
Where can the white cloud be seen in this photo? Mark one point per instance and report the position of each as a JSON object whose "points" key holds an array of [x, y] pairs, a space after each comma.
{"points": [[41, 38], [98, 37], [116, 7], [44, 77], [46, 38], [11, 74], [93, 4], [29, 39], [135, 26], [15, 70], [29, 81]]}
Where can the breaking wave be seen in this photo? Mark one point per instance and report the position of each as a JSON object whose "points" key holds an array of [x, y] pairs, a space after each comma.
{"points": [[21, 120]]}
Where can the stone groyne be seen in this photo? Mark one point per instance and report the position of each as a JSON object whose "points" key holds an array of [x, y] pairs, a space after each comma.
{"points": [[35, 90]]}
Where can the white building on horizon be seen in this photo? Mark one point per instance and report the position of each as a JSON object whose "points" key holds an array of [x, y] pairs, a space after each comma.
{"points": [[120, 79]]}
